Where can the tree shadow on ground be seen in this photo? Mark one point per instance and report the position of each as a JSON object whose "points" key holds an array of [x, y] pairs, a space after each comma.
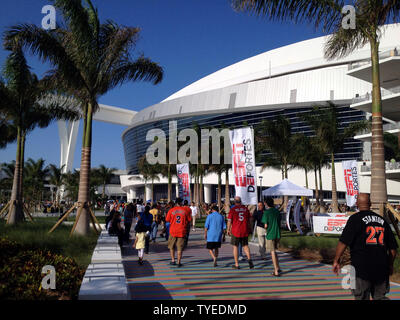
{"points": [[148, 291]]}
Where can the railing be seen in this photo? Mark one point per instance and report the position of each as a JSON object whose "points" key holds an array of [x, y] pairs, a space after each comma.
{"points": [[386, 127], [388, 166], [382, 55], [384, 93]]}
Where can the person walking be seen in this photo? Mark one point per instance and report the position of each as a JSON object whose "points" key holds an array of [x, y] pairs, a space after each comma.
{"points": [[106, 209], [261, 232], [140, 207], [156, 220], [271, 220], [189, 212], [140, 240], [373, 249], [128, 219], [213, 229], [117, 228], [169, 206], [147, 219], [239, 230], [179, 218], [194, 215]]}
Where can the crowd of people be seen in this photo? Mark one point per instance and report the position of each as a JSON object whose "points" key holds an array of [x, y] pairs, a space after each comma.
{"points": [[177, 219], [369, 237]]}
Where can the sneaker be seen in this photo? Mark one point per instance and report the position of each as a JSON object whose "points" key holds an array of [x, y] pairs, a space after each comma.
{"points": [[215, 263], [235, 267], [241, 258], [180, 265], [172, 263]]}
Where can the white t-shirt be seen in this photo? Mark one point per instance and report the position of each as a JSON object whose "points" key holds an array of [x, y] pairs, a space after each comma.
{"points": [[194, 211], [140, 208]]}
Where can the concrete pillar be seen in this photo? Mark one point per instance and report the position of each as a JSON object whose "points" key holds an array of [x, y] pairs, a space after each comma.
{"points": [[148, 193], [207, 193], [131, 195]]}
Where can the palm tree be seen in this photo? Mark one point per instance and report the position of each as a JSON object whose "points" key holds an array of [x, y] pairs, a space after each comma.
{"points": [[89, 59], [325, 124], [302, 154], [7, 173], [105, 174], [8, 132], [392, 144], [276, 137], [26, 103], [370, 20], [150, 172], [168, 170], [72, 185], [34, 180]]}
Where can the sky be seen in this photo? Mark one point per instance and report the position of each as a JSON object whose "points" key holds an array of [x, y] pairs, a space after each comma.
{"points": [[190, 39]]}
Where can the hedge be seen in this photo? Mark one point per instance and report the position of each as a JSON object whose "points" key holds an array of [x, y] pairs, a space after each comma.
{"points": [[21, 273]]}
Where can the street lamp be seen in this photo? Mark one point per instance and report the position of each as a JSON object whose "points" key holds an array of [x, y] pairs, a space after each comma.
{"points": [[260, 177]]}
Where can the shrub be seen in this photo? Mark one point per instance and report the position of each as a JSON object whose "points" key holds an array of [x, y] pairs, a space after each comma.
{"points": [[21, 273]]}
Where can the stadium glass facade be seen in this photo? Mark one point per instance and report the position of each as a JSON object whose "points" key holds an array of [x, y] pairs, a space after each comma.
{"points": [[135, 144]]}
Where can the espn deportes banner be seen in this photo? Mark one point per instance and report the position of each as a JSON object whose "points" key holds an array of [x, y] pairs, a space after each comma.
{"points": [[243, 165], [351, 180], [183, 181], [332, 225]]}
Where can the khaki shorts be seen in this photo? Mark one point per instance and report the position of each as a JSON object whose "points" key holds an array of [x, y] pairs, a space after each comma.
{"points": [[178, 242], [236, 241], [272, 245]]}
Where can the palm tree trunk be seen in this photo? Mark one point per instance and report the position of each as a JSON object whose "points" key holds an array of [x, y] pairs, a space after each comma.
{"points": [[198, 186], [201, 189], [321, 194], [83, 227], [306, 175], [169, 183], [227, 195], [285, 198], [15, 211], [21, 183], [316, 187], [219, 190], [335, 205], [152, 191], [378, 174]]}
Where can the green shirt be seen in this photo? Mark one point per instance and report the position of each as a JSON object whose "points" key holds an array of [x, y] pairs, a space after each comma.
{"points": [[272, 218]]}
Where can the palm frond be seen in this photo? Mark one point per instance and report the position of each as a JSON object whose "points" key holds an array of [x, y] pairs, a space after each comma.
{"points": [[325, 13], [141, 69], [343, 42]]}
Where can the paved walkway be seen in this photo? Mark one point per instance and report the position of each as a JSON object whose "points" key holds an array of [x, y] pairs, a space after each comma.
{"points": [[198, 279]]}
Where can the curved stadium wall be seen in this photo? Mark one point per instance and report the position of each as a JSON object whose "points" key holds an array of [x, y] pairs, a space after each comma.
{"points": [[135, 144]]}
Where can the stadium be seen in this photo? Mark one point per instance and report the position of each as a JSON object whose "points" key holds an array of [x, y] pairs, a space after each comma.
{"points": [[285, 81]]}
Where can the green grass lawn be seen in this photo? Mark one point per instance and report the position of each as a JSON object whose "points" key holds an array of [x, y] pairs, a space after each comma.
{"points": [[35, 235]]}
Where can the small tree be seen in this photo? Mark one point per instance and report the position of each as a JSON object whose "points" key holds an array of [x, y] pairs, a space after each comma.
{"points": [[26, 103], [105, 174], [88, 59]]}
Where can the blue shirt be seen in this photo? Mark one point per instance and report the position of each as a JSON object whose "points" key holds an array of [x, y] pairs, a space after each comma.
{"points": [[215, 225], [147, 219]]}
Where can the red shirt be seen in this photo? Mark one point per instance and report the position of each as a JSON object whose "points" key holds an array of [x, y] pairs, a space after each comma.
{"points": [[178, 217], [240, 217]]}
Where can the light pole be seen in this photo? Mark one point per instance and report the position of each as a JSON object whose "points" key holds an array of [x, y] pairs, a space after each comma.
{"points": [[260, 177]]}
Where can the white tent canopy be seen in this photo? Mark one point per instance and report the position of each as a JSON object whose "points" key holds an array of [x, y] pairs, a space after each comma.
{"points": [[287, 188]]}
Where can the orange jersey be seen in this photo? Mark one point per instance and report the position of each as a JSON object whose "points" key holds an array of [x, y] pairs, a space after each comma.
{"points": [[178, 217]]}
